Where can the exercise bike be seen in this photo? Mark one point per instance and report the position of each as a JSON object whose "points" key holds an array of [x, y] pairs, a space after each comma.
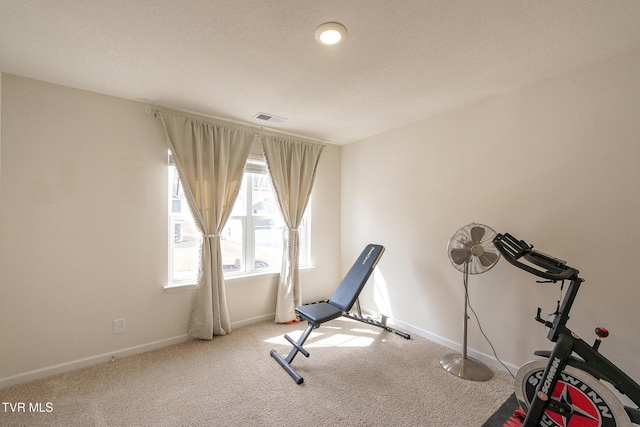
{"points": [[567, 389]]}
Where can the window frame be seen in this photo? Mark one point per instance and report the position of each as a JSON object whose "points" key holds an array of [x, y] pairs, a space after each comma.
{"points": [[255, 165]]}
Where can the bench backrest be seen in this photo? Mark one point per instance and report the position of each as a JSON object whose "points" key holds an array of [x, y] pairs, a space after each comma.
{"points": [[345, 296]]}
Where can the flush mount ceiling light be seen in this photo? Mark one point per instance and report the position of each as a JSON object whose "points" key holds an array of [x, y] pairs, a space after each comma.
{"points": [[330, 33]]}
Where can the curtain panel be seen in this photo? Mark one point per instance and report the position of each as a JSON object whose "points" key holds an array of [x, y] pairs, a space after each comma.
{"points": [[292, 166], [210, 160]]}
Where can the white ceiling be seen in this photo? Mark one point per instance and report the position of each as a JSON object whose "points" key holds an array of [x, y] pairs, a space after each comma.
{"points": [[402, 60]]}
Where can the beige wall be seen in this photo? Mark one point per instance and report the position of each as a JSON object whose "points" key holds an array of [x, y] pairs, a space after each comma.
{"points": [[83, 233], [556, 163]]}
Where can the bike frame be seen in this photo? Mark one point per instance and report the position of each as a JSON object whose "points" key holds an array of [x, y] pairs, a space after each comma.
{"points": [[590, 361], [567, 343]]}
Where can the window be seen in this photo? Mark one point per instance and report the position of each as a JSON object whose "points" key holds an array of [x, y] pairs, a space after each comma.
{"points": [[251, 241], [184, 236]]}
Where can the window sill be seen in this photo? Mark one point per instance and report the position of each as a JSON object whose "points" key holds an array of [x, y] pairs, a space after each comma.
{"points": [[180, 287], [233, 277]]}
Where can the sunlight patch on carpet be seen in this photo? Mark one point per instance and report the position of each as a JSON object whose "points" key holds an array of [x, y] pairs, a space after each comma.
{"points": [[295, 335], [342, 340], [365, 331], [319, 339]]}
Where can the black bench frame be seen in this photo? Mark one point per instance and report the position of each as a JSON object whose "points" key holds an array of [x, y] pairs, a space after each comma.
{"points": [[338, 305]]}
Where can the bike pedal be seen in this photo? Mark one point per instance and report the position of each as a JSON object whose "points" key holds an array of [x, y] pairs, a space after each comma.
{"points": [[519, 414], [516, 419]]}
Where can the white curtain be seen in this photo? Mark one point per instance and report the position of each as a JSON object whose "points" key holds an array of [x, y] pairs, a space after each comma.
{"points": [[292, 166], [210, 160]]}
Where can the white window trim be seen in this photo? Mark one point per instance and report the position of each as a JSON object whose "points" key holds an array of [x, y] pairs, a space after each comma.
{"points": [[180, 287], [255, 164]]}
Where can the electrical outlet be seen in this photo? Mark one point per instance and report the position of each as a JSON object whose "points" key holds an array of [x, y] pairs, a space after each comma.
{"points": [[118, 326]]}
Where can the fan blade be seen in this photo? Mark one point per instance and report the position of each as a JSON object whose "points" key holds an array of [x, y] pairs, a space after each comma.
{"points": [[477, 233], [460, 256], [488, 258]]}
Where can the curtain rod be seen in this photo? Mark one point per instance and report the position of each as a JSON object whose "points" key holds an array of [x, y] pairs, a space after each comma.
{"points": [[156, 113]]}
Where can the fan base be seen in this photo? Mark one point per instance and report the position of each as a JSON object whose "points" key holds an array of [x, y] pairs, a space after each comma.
{"points": [[466, 368]]}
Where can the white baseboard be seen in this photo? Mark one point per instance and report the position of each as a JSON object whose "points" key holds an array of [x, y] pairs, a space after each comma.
{"points": [[251, 321], [48, 371], [106, 357], [87, 361], [455, 346]]}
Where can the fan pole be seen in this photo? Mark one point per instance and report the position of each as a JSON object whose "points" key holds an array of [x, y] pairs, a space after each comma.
{"points": [[466, 316], [459, 364]]}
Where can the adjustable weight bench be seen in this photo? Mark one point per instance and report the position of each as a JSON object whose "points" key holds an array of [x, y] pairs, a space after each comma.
{"points": [[339, 304]]}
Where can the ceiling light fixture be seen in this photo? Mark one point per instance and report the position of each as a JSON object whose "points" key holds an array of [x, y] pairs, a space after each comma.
{"points": [[330, 33]]}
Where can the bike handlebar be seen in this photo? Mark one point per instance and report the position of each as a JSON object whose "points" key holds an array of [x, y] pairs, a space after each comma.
{"points": [[513, 249]]}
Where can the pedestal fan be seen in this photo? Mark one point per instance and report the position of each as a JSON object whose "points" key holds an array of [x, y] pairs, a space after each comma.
{"points": [[471, 251]]}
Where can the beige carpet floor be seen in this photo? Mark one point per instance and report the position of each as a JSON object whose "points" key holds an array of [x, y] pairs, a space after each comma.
{"points": [[357, 375]]}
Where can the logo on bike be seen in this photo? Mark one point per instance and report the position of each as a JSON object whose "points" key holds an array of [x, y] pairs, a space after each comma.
{"points": [[572, 403]]}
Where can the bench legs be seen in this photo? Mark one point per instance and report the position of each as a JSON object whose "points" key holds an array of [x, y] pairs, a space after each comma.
{"points": [[297, 347], [380, 324]]}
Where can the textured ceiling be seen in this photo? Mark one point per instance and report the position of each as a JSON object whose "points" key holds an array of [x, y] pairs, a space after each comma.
{"points": [[402, 60]]}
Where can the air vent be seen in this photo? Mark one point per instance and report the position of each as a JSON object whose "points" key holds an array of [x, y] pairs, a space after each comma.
{"points": [[269, 118]]}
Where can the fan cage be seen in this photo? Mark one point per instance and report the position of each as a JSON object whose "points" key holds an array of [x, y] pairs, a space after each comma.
{"points": [[471, 249]]}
